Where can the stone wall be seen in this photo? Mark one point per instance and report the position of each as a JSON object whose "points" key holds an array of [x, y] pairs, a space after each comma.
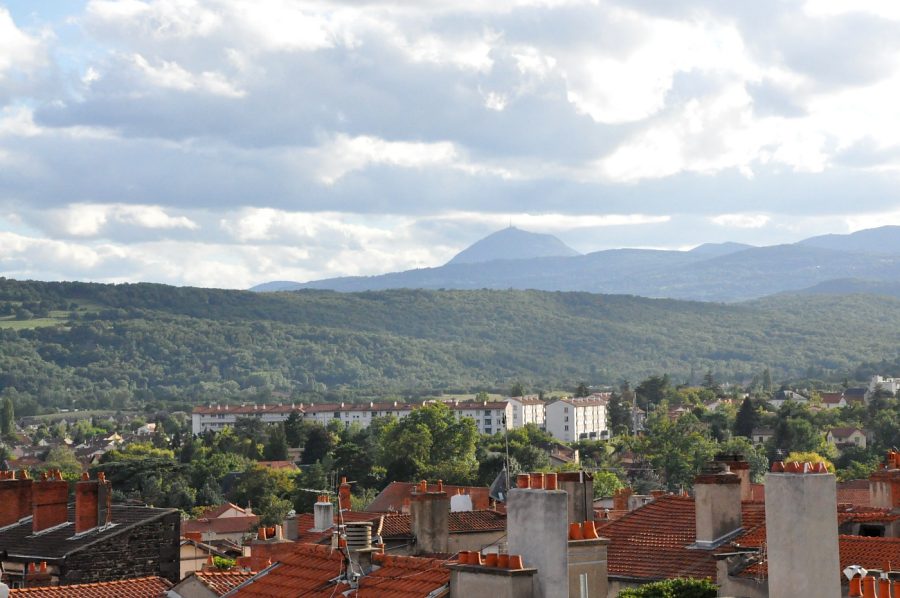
{"points": [[149, 548]]}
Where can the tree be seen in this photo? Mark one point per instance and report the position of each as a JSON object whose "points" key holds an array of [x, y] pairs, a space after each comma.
{"points": [[618, 412], [582, 390], [606, 484], [63, 458], [746, 419], [653, 390], [676, 449], [276, 447], [710, 383], [319, 444], [294, 432], [7, 418], [517, 390], [673, 588], [430, 443], [767, 380]]}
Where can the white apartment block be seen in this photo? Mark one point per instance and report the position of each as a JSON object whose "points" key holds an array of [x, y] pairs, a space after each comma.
{"points": [[889, 384], [529, 409], [572, 419], [490, 416]]}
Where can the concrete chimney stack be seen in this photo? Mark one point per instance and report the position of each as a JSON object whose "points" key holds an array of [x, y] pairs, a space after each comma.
{"points": [[802, 532], [537, 527], [884, 484], [430, 518], [579, 487], [717, 505], [323, 514]]}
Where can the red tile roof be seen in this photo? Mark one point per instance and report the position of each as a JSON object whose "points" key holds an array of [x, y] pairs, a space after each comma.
{"points": [[144, 587], [652, 542], [248, 409], [213, 512], [222, 582], [392, 497], [869, 553], [309, 570], [221, 525]]}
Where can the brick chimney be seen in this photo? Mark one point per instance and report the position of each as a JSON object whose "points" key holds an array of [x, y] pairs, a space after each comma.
{"points": [[50, 498], [344, 495], [323, 514], [429, 518], [15, 497], [537, 527], [620, 499], [37, 576], [802, 531], [884, 484], [717, 505], [93, 502], [739, 466]]}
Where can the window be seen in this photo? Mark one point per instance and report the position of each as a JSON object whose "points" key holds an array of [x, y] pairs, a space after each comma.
{"points": [[566, 428], [337, 414], [565, 409], [567, 418], [488, 431], [487, 411]]}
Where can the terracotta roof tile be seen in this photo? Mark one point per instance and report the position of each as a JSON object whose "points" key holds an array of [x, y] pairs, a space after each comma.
{"points": [[652, 542], [310, 571], [391, 498], [855, 492], [144, 587], [870, 553], [222, 582], [214, 512], [221, 525]]}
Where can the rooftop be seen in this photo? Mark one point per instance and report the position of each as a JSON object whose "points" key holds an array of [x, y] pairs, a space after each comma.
{"points": [[652, 541], [222, 582], [392, 497], [144, 587], [56, 543], [310, 571]]}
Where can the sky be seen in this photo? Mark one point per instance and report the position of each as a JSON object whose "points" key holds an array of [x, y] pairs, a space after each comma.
{"points": [[226, 143]]}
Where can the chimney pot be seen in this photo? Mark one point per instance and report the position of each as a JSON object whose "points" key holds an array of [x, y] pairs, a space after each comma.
{"points": [[503, 561], [515, 562], [575, 531], [778, 467], [537, 481], [588, 531], [522, 480], [490, 559], [869, 587], [550, 481]]}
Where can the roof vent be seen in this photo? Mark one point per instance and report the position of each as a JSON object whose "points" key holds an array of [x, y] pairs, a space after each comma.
{"points": [[359, 535]]}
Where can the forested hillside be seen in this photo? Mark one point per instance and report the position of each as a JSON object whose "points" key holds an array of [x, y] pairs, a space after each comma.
{"points": [[80, 344]]}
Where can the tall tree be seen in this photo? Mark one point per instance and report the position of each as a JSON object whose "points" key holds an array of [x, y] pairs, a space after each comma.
{"points": [[7, 418], [293, 430], [319, 443], [746, 419], [582, 390], [517, 390], [276, 447]]}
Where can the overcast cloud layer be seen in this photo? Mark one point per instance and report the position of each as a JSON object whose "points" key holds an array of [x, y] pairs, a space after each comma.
{"points": [[231, 142]]}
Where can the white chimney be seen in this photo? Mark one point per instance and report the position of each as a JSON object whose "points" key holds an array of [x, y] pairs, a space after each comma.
{"points": [[717, 505], [802, 532], [323, 514]]}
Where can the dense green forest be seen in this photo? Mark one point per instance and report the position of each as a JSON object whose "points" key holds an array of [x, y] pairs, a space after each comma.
{"points": [[95, 345]]}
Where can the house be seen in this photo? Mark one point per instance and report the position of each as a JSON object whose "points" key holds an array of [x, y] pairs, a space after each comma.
{"points": [[90, 540], [761, 435], [782, 396], [225, 522], [194, 555], [574, 419], [833, 400], [397, 494], [846, 436], [856, 395], [209, 583], [140, 587]]}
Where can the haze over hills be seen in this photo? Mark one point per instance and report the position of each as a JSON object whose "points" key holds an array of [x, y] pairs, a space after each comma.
{"points": [[710, 272]]}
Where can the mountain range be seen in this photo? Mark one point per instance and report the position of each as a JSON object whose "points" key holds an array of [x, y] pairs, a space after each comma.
{"points": [[866, 261]]}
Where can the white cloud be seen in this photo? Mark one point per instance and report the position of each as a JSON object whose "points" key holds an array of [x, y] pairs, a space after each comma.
{"points": [[552, 222], [172, 76], [18, 50], [90, 220], [741, 220]]}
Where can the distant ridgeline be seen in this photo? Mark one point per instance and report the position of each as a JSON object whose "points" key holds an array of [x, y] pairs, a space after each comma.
{"points": [[110, 346]]}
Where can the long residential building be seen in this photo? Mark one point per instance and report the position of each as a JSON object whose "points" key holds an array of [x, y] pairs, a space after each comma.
{"points": [[568, 419]]}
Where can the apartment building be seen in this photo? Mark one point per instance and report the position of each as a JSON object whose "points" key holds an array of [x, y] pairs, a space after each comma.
{"points": [[573, 419], [527, 410]]}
